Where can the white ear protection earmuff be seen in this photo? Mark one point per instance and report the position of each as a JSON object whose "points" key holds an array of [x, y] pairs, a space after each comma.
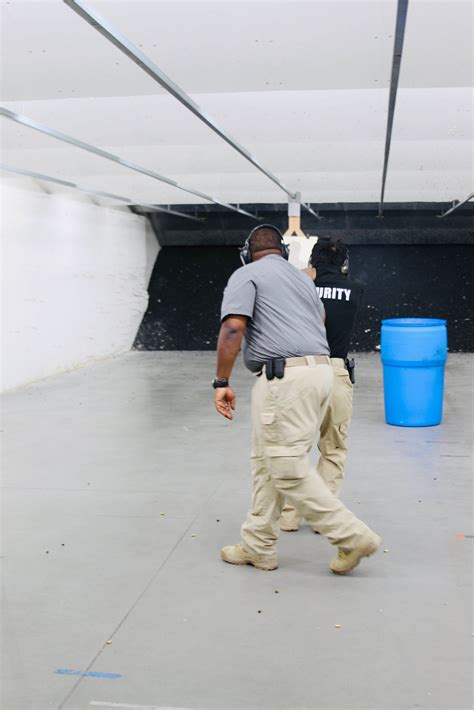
{"points": [[345, 265], [245, 253]]}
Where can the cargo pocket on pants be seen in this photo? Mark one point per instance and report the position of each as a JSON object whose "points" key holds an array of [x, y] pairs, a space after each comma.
{"points": [[267, 418], [287, 462], [340, 407]]}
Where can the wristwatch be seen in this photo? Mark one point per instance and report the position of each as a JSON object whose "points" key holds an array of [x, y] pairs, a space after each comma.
{"points": [[220, 382]]}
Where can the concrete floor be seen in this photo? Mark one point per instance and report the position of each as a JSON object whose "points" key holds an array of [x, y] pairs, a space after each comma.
{"points": [[120, 486]]}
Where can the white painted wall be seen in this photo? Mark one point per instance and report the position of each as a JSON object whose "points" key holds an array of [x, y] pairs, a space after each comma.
{"points": [[75, 277]]}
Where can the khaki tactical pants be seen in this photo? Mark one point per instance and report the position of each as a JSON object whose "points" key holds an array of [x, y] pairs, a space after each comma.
{"points": [[332, 437], [287, 415]]}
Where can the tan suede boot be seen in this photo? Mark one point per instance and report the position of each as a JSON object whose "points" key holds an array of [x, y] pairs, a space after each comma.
{"points": [[238, 555], [347, 560]]}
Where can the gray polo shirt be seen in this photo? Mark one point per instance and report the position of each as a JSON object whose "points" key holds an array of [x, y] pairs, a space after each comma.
{"points": [[285, 311]]}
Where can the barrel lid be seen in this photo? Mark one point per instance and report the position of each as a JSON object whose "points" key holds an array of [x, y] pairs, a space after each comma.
{"points": [[413, 322]]}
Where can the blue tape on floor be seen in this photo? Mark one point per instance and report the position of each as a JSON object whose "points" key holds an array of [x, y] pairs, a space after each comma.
{"points": [[90, 674]]}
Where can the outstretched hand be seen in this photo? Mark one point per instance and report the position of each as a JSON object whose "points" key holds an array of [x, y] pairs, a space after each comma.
{"points": [[224, 401]]}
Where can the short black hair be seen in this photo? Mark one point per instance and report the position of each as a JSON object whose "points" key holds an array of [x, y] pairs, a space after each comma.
{"points": [[329, 251], [265, 238]]}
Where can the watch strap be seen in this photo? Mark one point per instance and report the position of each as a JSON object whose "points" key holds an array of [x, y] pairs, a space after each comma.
{"points": [[220, 382]]}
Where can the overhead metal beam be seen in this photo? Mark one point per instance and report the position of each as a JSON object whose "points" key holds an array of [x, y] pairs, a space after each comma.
{"points": [[402, 10], [456, 206], [25, 121], [311, 211], [96, 193], [124, 45]]}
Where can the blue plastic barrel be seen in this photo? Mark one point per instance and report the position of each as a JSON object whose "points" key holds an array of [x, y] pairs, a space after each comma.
{"points": [[414, 353]]}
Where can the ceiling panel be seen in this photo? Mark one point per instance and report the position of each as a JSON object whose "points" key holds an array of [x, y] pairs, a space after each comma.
{"points": [[302, 85], [204, 46]]}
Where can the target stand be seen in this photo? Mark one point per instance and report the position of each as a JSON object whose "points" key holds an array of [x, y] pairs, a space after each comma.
{"points": [[300, 245]]}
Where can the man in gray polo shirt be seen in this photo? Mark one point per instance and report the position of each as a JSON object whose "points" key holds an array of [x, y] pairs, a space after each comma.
{"points": [[276, 311]]}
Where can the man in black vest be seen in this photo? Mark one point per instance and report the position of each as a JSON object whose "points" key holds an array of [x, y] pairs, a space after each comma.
{"points": [[341, 296]]}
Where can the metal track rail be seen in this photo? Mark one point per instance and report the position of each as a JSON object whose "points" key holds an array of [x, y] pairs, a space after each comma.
{"points": [[402, 10], [97, 193], [53, 133], [456, 205], [140, 59]]}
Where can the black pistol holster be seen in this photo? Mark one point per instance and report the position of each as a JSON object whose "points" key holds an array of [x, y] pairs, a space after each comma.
{"points": [[275, 368], [350, 367]]}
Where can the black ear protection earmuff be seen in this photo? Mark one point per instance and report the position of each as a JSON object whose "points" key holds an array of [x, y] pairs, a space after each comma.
{"points": [[245, 253]]}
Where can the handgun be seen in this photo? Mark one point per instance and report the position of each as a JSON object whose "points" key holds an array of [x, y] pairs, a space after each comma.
{"points": [[350, 367]]}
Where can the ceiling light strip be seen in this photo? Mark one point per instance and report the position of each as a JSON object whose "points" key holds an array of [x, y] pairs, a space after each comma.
{"points": [[456, 206], [96, 193], [133, 53], [25, 121], [402, 10]]}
